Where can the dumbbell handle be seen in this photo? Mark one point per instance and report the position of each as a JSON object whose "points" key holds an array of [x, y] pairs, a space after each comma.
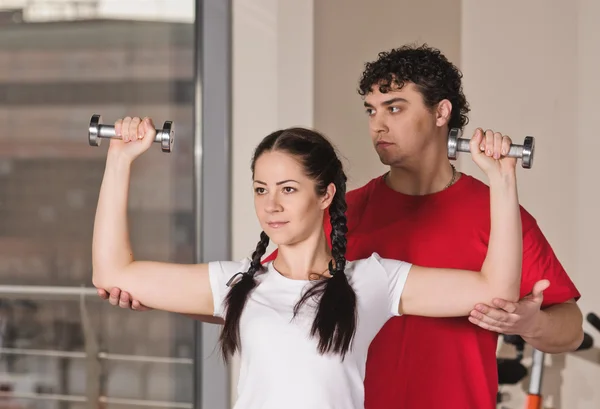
{"points": [[515, 151], [108, 131]]}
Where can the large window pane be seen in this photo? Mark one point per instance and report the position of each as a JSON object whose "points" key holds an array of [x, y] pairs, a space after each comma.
{"points": [[60, 63]]}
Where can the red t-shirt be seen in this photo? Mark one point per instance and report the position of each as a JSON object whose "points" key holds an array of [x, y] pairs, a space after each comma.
{"points": [[419, 362]]}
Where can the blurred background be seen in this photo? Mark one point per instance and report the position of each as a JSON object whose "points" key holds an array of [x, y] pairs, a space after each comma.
{"points": [[228, 72]]}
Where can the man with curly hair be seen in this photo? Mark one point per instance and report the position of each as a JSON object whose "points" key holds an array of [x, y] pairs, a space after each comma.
{"points": [[425, 211]]}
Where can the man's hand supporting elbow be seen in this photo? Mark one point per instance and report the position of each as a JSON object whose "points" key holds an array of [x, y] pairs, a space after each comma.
{"points": [[554, 329]]}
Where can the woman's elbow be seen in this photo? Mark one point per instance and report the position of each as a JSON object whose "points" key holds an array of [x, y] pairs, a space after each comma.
{"points": [[511, 294], [500, 291], [101, 279]]}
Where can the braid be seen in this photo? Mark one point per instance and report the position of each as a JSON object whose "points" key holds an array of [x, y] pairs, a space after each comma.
{"points": [[335, 321], [337, 214], [236, 298], [261, 248]]}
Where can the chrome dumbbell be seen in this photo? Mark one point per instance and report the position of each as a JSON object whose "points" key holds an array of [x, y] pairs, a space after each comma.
{"points": [[524, 152], [97, 131]]}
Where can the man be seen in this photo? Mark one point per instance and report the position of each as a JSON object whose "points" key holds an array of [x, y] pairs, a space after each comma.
{"points": [[425, 212]]}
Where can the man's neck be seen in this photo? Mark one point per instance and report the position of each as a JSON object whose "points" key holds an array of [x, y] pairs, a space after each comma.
{"points": [[422, 178]]}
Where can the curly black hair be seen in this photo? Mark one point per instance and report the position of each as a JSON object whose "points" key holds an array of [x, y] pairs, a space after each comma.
{"points": [[426, 67]]}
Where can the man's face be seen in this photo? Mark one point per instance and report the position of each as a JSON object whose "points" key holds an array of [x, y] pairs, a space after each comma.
{"points": [[400, 124]]}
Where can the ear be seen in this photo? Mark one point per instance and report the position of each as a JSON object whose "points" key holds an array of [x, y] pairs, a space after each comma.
{"points": [[443, 112], [327, 198]]}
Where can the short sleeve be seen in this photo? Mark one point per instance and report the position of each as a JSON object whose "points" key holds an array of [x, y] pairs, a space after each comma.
{"points": [[396, 273], [540, 262], [219, 273]]}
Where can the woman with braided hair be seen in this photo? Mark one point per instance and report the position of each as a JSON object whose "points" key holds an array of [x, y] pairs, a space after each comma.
{"points": [[303, 322]]}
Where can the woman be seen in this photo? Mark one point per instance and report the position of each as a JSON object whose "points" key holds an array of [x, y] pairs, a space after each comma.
{"points": [[303, 323]]}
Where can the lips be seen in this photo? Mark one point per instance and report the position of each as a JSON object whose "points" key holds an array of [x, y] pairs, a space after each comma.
{"points": [[383, 144], [276, 225]]}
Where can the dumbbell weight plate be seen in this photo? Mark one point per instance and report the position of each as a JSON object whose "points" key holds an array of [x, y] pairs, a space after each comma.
{"points": [[453, 136], [93, 137], [528, 149], [167, 136]]}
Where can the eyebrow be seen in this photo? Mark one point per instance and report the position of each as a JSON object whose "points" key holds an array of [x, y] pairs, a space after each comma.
{"points": [[260, 182], [387, 102]]}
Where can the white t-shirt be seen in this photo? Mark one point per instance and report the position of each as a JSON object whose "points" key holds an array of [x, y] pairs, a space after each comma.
{"points": [[281, 367]]}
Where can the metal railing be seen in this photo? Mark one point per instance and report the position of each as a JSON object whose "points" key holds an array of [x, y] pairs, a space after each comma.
{"points": [[91, 354]]}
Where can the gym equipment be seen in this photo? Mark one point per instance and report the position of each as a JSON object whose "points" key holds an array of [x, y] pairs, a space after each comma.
{"points": [[524, 152], [593, 320], [97, 131], [510, 371], [534, 392]]}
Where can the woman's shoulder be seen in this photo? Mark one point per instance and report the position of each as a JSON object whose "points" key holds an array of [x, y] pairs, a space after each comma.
{"points": [[375, 264], [366, 265]]}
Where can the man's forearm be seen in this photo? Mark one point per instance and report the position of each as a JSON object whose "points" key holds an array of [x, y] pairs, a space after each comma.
{"points": [[558, 329]]}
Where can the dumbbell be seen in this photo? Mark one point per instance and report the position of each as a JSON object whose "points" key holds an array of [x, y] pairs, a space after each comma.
{"points": [[97, 131], [524, 152]]}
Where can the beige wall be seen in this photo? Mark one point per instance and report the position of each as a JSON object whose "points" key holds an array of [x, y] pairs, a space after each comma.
{"points": [[273, 63], [531, 69], [299, 63], [350, 32]]}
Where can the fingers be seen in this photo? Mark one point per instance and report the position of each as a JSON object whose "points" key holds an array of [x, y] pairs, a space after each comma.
{"points": [[148, 125], [148, 130], [509, 307], [113, 298], [489, 142], [493, 319], [497, 145], [477, 143], [539, 288], [135, 132], [136, 305], [119, 127], [132, 129], [124, 300], [492, 145], [125, 128], [506, 142], [486, 326]]}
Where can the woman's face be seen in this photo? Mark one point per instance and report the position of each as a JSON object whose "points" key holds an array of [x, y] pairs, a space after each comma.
{"points": [[286, 203]]}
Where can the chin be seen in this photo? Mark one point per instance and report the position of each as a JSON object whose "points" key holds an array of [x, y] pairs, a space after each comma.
{"points": [[281, 238], [389, 160], [385, 160], [276, 236]]}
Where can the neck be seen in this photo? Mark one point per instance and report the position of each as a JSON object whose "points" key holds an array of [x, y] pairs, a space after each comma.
{"points": [[303, 260], [429, 173]]}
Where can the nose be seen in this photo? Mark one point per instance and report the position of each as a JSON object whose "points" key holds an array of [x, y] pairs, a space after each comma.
{"points": [[273, 205], [378, 124]]}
